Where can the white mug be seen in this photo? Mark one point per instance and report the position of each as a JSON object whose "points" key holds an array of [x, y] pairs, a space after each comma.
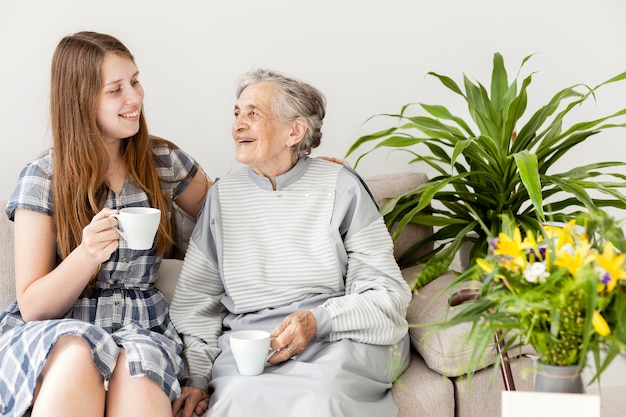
{"points": [[251, 349], [138, 226]]}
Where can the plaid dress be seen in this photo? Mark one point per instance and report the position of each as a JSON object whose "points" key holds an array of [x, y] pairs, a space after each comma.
{"points": [[124, 310]]}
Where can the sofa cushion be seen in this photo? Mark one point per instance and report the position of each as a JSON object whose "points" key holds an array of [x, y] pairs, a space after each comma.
{"points": [[168, 276], [446, 351], [420, 391]]}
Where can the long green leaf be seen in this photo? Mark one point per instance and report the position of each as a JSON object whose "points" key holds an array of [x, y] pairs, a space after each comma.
{"points": [[573, 188], [439, 263], [517, 109], [529, 173], [584, 170], [499, 82], [619, 77], [434, 128], [448, 82], [590, 124], [443, 113], [529, 130], [368, 138]]}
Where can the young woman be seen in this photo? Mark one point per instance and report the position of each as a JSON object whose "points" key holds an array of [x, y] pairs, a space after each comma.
{"points": [[88, 330]]}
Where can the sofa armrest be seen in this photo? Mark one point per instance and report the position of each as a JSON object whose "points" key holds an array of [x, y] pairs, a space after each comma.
{"points": [[7, 269]]}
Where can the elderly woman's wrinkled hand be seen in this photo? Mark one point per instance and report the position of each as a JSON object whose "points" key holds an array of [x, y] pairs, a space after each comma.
{"points": [[292, 336], [192, 401]]}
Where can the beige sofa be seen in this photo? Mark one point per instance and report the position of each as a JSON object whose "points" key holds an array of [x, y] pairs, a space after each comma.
{"points": [[434, 384]]}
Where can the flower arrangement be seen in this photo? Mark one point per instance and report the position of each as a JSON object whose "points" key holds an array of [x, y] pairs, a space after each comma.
{"points": [[561, 289]]}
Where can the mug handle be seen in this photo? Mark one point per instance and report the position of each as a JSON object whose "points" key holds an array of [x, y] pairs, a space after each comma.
{"points": [[271, 351], [117, 229]]}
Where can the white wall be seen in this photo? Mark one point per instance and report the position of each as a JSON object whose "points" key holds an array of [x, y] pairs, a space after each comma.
{"points": [[367, 56]]}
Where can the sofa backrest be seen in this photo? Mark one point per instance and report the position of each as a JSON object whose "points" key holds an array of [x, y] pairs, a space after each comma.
{"points": [[386, 186], [382, 187]]}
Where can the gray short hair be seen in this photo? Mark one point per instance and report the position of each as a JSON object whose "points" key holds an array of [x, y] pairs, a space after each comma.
{"points": [[294, 99]]}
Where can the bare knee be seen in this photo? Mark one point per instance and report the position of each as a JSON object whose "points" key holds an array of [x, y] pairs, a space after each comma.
{"points": [[121, 370], [72, 356], [70, 383], [137, 396]]}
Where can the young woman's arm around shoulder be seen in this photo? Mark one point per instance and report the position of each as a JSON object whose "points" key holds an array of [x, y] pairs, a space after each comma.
{"points": [[192, 199]]}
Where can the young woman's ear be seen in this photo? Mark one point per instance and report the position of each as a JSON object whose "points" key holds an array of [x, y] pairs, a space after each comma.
{"points": [[298, 129]]}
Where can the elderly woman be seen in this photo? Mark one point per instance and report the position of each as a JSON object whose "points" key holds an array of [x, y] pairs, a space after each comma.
{"points": [[296, 246]]}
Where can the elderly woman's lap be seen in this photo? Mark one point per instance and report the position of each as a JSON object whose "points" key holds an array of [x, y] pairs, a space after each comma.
{"points": [[342, 378]]}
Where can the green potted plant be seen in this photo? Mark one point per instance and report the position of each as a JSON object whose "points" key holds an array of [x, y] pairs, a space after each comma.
{"points": [[496, 162], [561, 290]]}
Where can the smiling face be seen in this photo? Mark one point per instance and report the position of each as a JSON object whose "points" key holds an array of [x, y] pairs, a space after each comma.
{"points": [[263, 142], [121, 98]]}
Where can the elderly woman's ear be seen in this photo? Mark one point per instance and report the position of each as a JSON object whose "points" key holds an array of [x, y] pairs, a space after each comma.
{"points": [[298, 130]]}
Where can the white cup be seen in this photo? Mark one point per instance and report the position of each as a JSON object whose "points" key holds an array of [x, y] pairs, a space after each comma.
{"points": [[251, 349], [138, 226]]}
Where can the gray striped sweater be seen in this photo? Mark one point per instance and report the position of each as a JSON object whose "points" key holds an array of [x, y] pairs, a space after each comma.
{"points": [[318, 233]]}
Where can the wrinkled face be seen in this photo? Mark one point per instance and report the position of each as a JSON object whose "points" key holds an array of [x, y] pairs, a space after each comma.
{"points": [[121, 98], [262, 142]]}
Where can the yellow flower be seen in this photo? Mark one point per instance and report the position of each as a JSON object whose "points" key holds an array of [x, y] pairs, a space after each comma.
{"points": [[613, 264], [599, 324], [489, 268], [531, 243], [484, 265], [512, 249], [562, 235], [573, 258]]}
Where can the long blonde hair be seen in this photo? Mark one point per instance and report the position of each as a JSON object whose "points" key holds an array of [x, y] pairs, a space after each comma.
{"points": [[81, 160]]}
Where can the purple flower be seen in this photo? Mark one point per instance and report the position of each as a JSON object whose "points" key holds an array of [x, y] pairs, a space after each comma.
{"points": [[540, 256]]}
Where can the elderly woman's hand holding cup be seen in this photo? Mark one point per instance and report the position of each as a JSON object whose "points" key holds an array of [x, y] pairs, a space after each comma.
{"points": [[292, 335]]}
